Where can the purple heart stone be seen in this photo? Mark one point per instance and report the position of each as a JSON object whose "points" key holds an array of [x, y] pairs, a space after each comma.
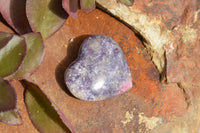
{"points": [[100, 72]]}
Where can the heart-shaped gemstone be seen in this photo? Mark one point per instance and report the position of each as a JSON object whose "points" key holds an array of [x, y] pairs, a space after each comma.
{"points": [[100, 72]]}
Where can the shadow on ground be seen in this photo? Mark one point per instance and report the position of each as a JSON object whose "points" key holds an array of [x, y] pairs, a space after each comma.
{"points": [[72, 54]]}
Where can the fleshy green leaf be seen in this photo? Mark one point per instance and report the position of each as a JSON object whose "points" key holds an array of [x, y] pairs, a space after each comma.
{"points": [[14, 13], [8, 97], [4, 39], [71, 7], [12, 56], [45, 16], [8, 112], [45, 116], [11, 117], [87, 5], [34, 56], [127, 2]]}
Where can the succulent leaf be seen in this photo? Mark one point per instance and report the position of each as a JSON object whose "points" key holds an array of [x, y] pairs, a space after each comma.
{"points": [[71, 7], [14, 13], [45, 16], [35, 54], [8, 97], [4, 39], [45, 116], [87, 5], [12, 56], [11, 117]]}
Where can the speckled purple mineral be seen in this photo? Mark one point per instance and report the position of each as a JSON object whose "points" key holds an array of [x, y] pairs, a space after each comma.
{"points": [[100, 72]]}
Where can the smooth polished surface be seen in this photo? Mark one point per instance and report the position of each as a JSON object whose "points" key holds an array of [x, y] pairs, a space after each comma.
{"points": [[100, 72]]}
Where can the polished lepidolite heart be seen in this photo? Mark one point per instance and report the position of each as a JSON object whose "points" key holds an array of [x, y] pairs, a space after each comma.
{"points": [[100, 72]]}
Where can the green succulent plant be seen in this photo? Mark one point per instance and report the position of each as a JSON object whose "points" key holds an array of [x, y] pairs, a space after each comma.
{"points": [[21, 53]]}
